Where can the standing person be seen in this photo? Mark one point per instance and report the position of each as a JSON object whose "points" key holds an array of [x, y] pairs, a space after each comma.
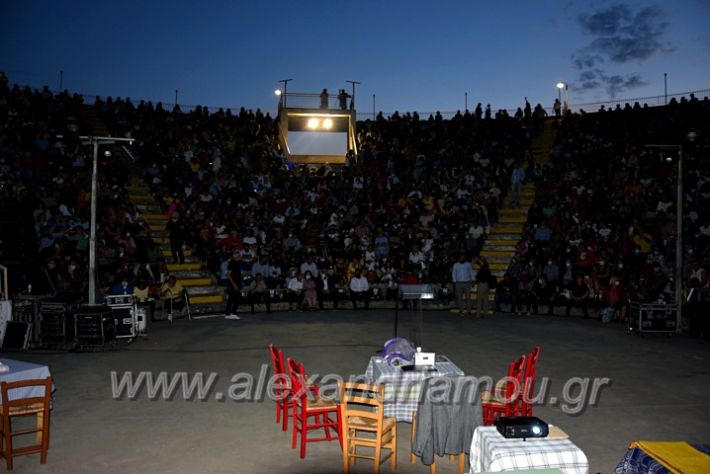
{"points": [[516, 180], [310, 292], [462, 275], [234, 286], [343, 99], [176, 232], [557, 107], [579, 296], [483, 279], [324, 99], [327, 289]]}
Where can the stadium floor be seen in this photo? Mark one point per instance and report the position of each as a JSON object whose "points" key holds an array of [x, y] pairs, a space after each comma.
{"points": [[658, 389]]}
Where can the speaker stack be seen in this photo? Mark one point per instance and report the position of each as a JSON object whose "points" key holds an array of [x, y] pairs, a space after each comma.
{"points": [[56, 324], [95, 329]]}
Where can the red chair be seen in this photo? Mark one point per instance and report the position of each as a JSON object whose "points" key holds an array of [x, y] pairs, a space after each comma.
{"points": [[306, 403], [530, 373], [282, 386], [508, 399]]}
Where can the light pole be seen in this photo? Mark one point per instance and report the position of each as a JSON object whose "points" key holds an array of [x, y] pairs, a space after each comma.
{"points": [[465, 101], [374, 114], [352, 101], [665, 88], [95, 142], [690, 139], [285, 90]]}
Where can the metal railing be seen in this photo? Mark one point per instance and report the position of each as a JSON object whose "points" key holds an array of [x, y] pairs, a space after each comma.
{"points": [[300, 100]]}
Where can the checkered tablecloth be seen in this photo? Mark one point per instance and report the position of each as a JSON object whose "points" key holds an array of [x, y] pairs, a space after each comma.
{"points": [[20, 370], [491, 452], [402, 388]]}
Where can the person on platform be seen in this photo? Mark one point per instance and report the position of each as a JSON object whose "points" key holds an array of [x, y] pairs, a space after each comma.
{"points": [[462, 275], [324, 99]]}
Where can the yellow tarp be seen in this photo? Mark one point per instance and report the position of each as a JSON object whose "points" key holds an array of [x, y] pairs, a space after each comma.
{"points": [[676, 456]]}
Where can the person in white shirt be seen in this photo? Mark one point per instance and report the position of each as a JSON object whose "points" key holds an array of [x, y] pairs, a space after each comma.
{"points": [[359, 289], [294, 291]]}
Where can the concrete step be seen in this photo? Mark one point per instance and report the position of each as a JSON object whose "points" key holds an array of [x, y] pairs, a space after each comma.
{"points": [[136, 197], [151, 207], [160, 240], [167, 253], [513, 229], [156, 227], [503, 239], [188, 259], [499, 265], [495, 248], [514, 211], [153, 217], [207, 299], [511, 219], [189, 282], [185, 274], [204, 290], [173, 267], [497, 253], [505, 260]]}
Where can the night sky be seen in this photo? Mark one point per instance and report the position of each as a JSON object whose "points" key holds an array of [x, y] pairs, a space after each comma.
{"points": [[414, 55]]}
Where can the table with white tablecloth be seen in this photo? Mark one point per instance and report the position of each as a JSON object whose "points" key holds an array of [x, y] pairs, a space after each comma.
{"points": [[491, 452], [402, 388], [19, 370]]}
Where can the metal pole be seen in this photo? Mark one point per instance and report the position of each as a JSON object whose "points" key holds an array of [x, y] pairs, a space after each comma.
{"points": [[92, 237], [665, 88], [679, 244], [352, 101], [374, 114], [61, 81], [285, 92], [465, 101], [176, 97]]}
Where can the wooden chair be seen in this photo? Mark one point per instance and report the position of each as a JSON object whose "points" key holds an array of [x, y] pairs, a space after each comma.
{"points": [[11, 408], [282, 386], [307, 404], [364, 425], [530, 373], [507, 401]]}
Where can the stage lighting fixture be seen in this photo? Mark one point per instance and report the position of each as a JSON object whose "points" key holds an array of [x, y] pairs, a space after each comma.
{"points": [[277, 92], [561, 85], [327, 123], [313, 123]]}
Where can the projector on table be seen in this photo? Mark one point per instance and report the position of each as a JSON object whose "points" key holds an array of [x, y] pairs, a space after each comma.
{"points": [[522, 427]]}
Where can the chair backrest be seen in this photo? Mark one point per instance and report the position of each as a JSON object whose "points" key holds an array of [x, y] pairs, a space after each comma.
{"points": [[530, 373], [282, 379], [515, 385], [8, 402], [297, 375], [362, 400]]}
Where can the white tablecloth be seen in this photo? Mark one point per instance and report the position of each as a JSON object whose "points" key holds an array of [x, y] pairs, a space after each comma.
{"points": [[23, 371], [491, 452], [402, 388]]}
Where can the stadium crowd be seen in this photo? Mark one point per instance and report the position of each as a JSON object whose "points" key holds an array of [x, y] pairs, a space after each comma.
{"points": [[422, 193]]}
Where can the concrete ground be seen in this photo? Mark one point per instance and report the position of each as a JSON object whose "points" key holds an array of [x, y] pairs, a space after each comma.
{"points": [[659, 389]]}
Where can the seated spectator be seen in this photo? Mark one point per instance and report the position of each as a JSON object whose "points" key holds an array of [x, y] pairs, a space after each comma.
{"points": [[123, 287], [542, 293], [359, 289], [327, 289], [579, 296], [294, 291], [172, 293], [257, 292]]}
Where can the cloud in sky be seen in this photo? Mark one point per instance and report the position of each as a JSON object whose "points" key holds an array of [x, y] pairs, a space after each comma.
{"points": [[619, 36]]}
